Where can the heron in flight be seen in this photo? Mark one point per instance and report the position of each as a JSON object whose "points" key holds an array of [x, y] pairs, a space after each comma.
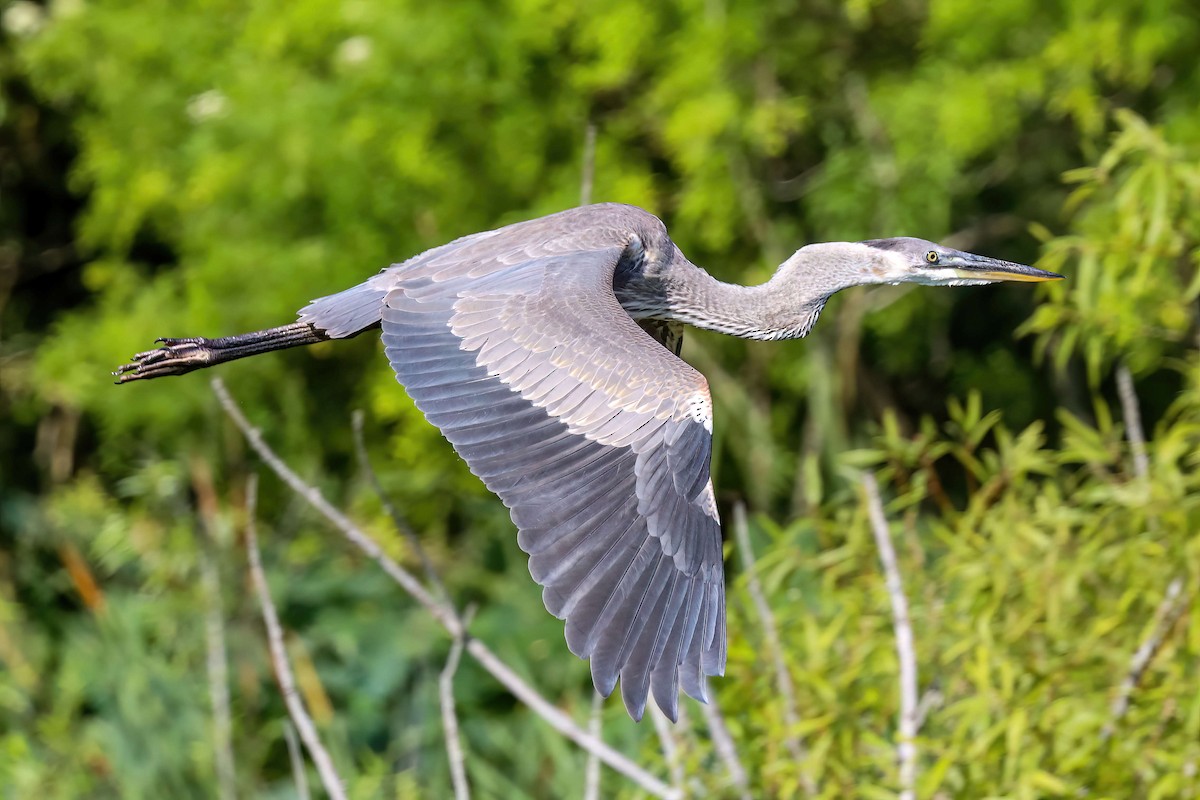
{"points": [[547, 352]]}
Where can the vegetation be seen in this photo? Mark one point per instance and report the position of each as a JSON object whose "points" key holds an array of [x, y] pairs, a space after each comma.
{"points": [[201, 168]]}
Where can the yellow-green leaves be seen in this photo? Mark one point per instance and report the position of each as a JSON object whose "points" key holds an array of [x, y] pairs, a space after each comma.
{"points": [[1132, 258]]}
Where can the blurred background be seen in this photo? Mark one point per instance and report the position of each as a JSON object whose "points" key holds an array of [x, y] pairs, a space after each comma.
{"points": [[205, 168]]}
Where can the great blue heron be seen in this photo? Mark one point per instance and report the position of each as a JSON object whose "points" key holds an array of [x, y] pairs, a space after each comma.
{"points": [[547, 353]]}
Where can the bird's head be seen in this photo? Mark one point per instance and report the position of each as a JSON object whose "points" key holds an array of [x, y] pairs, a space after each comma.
{"points": [[797, 292], [906, 259]]}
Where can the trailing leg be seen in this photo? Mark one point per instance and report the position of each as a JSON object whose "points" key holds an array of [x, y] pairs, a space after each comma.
{"points": [[180, 356]]}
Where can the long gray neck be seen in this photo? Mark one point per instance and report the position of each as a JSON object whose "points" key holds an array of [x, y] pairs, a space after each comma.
{"points": [[785, 307]]}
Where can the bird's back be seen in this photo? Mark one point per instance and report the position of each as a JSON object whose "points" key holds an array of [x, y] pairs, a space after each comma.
{"points": [[576, 230]]}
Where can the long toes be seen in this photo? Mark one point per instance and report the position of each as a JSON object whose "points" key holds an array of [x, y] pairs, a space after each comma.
{"points": [[174, 357], [151, 356], [171, 349], [142, 370], [129, 372]]}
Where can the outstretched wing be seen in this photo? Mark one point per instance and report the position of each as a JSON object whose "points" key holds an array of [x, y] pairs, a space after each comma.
{"points": [[598, 440]]}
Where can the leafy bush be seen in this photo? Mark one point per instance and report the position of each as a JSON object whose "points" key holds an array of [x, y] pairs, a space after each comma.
{"points": [[235, 160]]}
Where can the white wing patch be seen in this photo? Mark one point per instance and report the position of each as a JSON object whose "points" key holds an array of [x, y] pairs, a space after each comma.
{"points": [[698, 407]]}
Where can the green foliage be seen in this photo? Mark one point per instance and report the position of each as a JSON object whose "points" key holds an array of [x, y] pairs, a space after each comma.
{"points": [[229, 161], [1029, 594], [1136, 254]]}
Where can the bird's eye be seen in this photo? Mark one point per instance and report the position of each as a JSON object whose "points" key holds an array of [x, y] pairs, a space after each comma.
{"points": [[932, 257]]}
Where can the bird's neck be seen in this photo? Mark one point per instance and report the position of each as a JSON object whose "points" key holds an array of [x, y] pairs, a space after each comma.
{"points": [[785, 307]]}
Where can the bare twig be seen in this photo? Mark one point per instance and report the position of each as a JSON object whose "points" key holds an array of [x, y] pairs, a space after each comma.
{"points": [[283, 670], [1133, 420], [1173, 603], [906, 748], [297, 760], [794, 742], [414, 542], [589, 164], [564, 724], [1165, 616], [216, 657], [591, 783], [722, 741], [454, 748], [670, 746], [444, 614], [218, 677], [930, 701]]}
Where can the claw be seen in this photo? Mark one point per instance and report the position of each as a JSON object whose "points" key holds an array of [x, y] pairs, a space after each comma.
{"points": [[174, 357]]}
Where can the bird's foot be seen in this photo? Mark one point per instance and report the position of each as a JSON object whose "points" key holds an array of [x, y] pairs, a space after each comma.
{"points": [[174, 357]]}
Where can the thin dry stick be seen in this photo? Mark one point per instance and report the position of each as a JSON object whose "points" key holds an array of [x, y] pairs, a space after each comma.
{"points": [[722, 741], [591, 786], [283, 670], [783, 679], [1165, 616], [930, 701], [218, 677], [1172, 605], [454, 748], [591, 783], [364, 462], [298, 775], [589, 164], [560, 722], [1133, 421], [670, 746], [906, 748], [216, 657], [445, 615]]}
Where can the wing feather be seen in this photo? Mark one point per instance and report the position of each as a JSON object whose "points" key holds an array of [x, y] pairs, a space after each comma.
{"points": [[587, 428], [647, 652], [620, 610]]}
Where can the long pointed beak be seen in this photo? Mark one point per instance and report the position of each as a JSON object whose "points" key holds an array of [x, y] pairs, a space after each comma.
{"points": [[993, 269]]}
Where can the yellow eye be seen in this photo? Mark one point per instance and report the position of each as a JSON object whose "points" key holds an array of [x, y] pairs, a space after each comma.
{"points": [[931, 257]]}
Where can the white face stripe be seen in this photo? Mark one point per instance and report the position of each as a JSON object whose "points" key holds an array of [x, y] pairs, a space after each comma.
{"points": [[897, 269], [942, 276]]}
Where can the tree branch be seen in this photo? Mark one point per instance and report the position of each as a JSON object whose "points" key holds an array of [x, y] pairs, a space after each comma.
{"points": [[297, 761], [1165, 616], [364, 462], [1172, 605], [1133, 421], [722, 741], [216, 656], [588, 170], [444, 614], [783, 678], [218, 677], [591, 783], [283, 670], [906, 748], [454, 748], [670, 746]]}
